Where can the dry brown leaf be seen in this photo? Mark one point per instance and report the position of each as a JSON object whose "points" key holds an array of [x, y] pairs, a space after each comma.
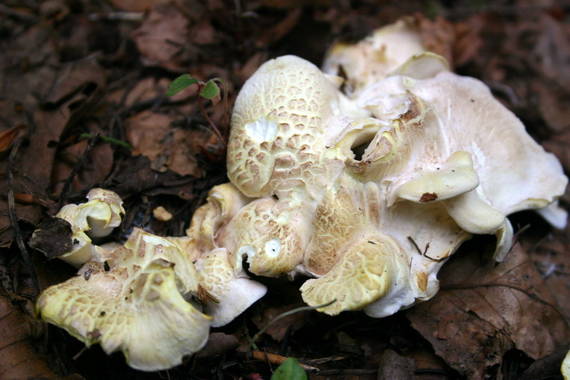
{"points": [[18, 359], [151, 135], [218, 343], [482, 311], [134, 175], [203, 33], [137, 5], [437, 36], [163, 37], [83, 77], [28, 64], [457, 42], [8, 136], [66, 98], [96, 166], [551, 258], [554, 104], [551, 51], [279, 328], [395, 367]]}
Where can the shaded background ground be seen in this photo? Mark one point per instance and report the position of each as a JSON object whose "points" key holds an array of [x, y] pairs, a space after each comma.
{"points": [[83, 104]]}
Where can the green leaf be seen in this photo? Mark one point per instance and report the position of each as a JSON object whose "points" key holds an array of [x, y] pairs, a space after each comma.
{"points": [[289, 370], [180, 83], [210, 90]]}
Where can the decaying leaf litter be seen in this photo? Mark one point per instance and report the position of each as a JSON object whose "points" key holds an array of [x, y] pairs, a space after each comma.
{"points": [[83, 104]]}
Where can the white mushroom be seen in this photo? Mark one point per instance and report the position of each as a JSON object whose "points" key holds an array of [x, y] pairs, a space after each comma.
{"points": [[368, 191], [93, 219]]}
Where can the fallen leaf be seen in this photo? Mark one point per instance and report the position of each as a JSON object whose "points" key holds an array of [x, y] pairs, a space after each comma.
{"points": [[551, 259], [134, 175], [95, 165], [28, 64], [52, 237], [554, 104], [483, 310], [18, 359], [547, 367], [437, 36], [279, 328], [203, 33], [218, 344], [395, 367], [457, 42], [83, 76], [8, 136], [163, 37], [137, 5], [151, 135]]}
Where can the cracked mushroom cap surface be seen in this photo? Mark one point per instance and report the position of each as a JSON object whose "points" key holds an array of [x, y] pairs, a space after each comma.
{"points": [[368, 191], [135, 303], [412, 157]]}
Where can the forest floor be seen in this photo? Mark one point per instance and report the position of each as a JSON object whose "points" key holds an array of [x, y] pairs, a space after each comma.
{"points": [[83, 104]]}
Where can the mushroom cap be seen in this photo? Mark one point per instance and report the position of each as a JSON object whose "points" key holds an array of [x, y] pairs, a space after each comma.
{"points": [[232, 291], [93, 219], [373, 58], [280, 117], [272, 235], [369, 192], [137, 306]]}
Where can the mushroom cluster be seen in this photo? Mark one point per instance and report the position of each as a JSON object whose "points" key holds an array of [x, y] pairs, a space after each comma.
{"points": [[366, 177]]}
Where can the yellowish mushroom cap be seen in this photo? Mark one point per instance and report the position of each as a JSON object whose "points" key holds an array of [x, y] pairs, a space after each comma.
{"points": [[366, 272], [136, 303]]}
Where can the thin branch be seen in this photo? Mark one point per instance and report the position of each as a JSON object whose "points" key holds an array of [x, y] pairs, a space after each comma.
{"points": [[210, 122]]}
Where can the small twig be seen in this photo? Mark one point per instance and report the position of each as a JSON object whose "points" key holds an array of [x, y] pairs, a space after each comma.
{"points": [[278, 359], [347, 372], [424, 252], [416, 246], [14, 217], [78, 354], [326, 360], [285, 314], [209, 120]]}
